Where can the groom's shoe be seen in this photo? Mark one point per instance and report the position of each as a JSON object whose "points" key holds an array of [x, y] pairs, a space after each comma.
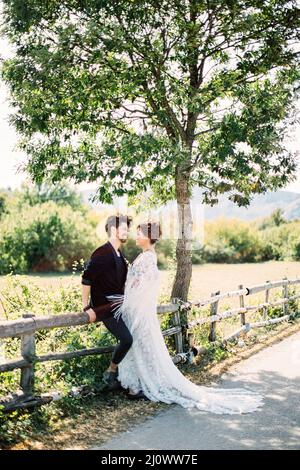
{"points": [[137, 396], [110, 379]]}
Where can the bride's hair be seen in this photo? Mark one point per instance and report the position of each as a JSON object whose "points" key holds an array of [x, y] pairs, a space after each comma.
{"points": [[152, 230]]}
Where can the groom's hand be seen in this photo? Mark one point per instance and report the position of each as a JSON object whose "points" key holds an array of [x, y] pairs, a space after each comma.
{"points": [[92, 315]]}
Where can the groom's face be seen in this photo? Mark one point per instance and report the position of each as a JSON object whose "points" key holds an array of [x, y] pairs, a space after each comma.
{"points": [[122, 232]]}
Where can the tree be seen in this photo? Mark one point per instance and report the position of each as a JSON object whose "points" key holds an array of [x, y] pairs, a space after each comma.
{"points": [[2, 205], [276, 218], [60, 193], [156, 94]]}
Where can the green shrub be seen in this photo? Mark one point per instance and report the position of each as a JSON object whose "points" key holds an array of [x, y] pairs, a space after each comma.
{"points": [[231, 241], [282, 242], [45, 237]]}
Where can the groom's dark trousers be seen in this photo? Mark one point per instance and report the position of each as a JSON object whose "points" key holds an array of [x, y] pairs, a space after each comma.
{"points": [[106, 274]]}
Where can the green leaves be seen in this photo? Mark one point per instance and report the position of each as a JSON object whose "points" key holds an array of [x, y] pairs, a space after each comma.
{"points": [[124, 94]]}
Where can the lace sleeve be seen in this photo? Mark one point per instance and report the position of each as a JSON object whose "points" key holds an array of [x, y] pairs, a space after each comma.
{"points": [[138, 287], [143, 271]]}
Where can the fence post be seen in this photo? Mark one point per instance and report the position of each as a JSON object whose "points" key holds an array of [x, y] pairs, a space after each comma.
{"points": [[28, 353], [265, 309], [285, 293], [242, 305], [178, 336], [213, 311]]}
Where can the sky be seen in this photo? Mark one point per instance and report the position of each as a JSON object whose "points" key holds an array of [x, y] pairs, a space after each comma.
{"points": [[11, 158]]}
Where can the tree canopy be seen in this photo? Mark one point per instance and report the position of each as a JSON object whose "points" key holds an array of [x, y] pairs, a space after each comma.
{"points": [[156, 94], [126, 92]]}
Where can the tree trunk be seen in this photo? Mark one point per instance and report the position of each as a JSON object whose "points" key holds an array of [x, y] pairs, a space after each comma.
{"points": [[184, 243]]}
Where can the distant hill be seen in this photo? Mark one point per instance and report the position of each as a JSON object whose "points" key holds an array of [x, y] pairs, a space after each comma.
{"points": [[262, 205]]}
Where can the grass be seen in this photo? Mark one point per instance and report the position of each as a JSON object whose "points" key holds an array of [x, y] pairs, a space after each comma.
{"points": [[100, 418], [57, 426], [206, 278]]}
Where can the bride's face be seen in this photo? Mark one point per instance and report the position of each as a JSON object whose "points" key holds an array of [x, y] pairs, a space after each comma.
{"points": [[142, 241]]}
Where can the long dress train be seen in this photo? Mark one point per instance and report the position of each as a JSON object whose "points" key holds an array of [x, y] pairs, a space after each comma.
{"points": [[148, 365]]}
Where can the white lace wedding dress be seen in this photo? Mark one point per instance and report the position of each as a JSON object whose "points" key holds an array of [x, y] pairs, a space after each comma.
{"points": [[148, 365]]}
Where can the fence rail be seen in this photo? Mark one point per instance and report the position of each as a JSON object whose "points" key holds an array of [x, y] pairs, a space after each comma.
{"points": [[26, 328]]}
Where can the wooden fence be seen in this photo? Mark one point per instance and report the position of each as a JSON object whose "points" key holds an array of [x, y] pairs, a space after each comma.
{"points": [[26, 328]]}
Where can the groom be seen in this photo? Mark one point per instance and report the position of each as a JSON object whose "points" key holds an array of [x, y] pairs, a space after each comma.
{"points": [[106, 274]]}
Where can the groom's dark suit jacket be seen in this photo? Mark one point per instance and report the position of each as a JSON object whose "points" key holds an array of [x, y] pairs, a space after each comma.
{"points": [[106, 274]]}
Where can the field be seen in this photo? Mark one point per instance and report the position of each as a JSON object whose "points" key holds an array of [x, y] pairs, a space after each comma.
{"points": [[206, 278], [50, 427]]}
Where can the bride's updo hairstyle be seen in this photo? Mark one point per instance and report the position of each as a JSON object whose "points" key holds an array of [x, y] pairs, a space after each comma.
{"points": [[152, 230]]}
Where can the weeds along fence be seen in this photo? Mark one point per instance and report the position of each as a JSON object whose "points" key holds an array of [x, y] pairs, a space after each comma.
{"points": [[27, 327]]}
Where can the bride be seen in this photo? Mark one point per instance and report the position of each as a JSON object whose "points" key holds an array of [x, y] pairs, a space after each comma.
{"points": [[147, 370]]}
